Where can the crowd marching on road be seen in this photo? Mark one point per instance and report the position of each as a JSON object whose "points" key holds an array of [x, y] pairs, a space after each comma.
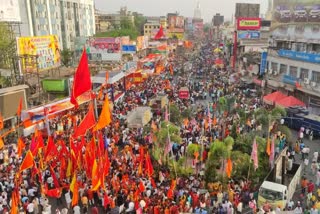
{"points": [[111, 170]]}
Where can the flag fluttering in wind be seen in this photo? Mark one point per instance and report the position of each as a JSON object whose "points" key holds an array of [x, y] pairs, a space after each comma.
{"points": [[20, 147], [159, 34], [105, 116], [1, 122], [268, 149], [229, 167], [87, 123], [27, 161], [254, 154], [82, 79]]}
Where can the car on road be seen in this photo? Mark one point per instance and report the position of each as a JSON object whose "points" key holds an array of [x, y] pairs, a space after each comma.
{"points": [[282, 13], [300, 14], [314, 13]]}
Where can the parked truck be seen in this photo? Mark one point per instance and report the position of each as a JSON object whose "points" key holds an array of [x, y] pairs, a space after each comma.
{"points": [[280, 185]]}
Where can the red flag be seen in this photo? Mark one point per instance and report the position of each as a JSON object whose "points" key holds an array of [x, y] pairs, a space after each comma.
{"points": [[51, 150], [149, 165], [87, 123], [159, 34], [54, 193], [15, 202], [54, 178], [27, 161], [82, 79], [19, 108], [1, 122], [141, 187], [20, 146]]}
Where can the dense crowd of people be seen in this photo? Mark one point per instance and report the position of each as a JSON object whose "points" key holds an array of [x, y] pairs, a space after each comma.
{"points": [[130, 184]]}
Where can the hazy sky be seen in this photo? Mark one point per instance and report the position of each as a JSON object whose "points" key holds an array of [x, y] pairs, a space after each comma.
{"points": [[184, 7]]}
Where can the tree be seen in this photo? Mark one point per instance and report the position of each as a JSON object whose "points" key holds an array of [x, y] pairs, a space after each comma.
{"points": [[175, 115], [66, 57], [7, 46], [125, 23]]}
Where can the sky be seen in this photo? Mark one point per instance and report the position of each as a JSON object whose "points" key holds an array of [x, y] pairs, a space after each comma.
{"points": [[184, 7]]}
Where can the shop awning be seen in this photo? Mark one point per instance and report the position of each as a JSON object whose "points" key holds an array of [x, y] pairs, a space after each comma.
{"points": [[289, 102], [273, 97]]}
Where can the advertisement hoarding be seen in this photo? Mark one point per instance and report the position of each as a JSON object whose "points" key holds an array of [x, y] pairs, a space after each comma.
{"points": [[46, 48], [298, 11], [248, 35], [125, 40], [9, 11], [248, 23], [175, 21], [104, 49], [247, 10], [142, 43]]}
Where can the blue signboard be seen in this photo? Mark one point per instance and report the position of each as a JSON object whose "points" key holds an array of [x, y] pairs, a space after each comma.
{"points": [[129, 48], [263, 64], [307, 57], [248, 34], [289, 79]]}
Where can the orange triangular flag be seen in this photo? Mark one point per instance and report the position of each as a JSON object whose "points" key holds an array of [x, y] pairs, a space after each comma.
{"points": [[105, 116], [214, 121], [75, 195], [186, 122], [95, 176], [27, 161], [268, 149], [1, 143], [229, 168], [19, 108], [1, 122], [20, 147], [14, 202]]}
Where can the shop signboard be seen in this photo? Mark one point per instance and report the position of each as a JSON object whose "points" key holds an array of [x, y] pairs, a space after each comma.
{"points": [[298, 11], [40, 53], [301, 56], [175, 21], [142, 43], [248, 23], [184, 93], [104, 49], [128, 49], [248, 35]]}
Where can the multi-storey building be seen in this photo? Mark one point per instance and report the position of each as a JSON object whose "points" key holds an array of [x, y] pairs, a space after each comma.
{"points": [[66, 18], [293, 63], [152, 25]]}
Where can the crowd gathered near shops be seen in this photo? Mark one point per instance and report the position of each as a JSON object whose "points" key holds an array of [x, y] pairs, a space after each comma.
{"points": [[130, 184]]}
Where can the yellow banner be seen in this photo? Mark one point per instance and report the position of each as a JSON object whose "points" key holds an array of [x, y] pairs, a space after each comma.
{"points": [[39, 53], [249, 23]]}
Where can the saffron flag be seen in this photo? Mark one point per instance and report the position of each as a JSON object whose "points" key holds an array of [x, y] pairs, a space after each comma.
{"points": [[95, 176], [15, 202], [229, 167], [171, 69], [19, 108], [27, 161], [54, 193], [20, 146], [1, 143], [82, 79], [1, 122], [149, 165], [105, 116], [159, 34], [51, 150], [268, 150], [87, 123], [75, 195], [254, 154]]}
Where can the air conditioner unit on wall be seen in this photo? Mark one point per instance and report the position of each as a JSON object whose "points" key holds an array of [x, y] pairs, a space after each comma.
{"points": [[306, 81], [313, 84], [275, 73], [270, 71]]}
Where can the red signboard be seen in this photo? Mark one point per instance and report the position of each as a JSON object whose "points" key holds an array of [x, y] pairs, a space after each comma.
{"points": [[248, 24], [184, 94]]}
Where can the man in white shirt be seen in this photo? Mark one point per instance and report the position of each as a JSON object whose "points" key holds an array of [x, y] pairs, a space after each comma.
{"points": [[30, 208]]}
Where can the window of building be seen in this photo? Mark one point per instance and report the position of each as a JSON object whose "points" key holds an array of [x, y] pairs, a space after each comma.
{"points": [[39, 27], [293, 71], [304, 73], [315, 76], [274, 66], [283, 69]]}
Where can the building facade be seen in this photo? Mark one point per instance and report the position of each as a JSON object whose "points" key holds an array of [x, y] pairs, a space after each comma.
{"points": [[152, 26], [293, 66], [66, 18]]}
